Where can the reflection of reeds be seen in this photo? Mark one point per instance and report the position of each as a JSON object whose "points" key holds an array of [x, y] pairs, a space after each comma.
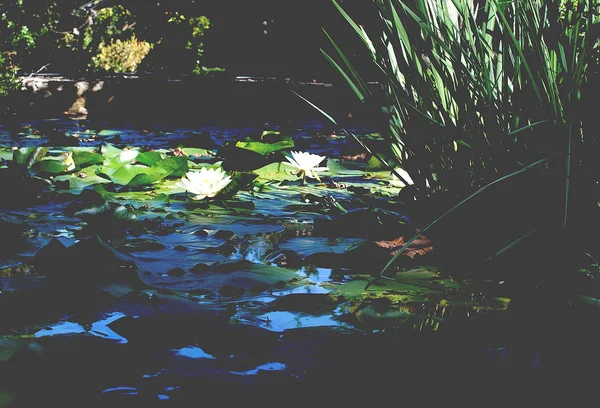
{"points": [[477, 92]]}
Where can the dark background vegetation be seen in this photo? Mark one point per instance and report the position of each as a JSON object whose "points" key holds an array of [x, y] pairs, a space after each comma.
{"points": [[275, 38]]}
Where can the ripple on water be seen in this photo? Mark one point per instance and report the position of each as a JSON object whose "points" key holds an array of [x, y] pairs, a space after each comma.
{"points": [[279, 321], [272, 366], [99, 328], [193, 352]]}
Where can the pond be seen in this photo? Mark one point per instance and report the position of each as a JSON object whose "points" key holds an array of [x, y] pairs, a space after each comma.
{"points": [[119, 287]]}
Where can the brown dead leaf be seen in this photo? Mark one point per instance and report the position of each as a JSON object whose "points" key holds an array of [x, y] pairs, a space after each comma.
{"points": [[419, 246], [178, 151], [355, 157]]}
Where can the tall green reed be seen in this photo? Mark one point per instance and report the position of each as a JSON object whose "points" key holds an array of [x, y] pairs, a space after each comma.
{"points": [[475, 92]]}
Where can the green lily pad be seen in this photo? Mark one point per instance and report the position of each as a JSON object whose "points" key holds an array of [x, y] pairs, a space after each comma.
{"points": [[150, 198], [240, 274], [336, 169], [6, 153], [393, 316], [374, 164], [108, 133], [84, 158], [106, 213], [139, 175], [8, 347], [51, 166], [149, 158], [276, 172], [197, 152], [413, 285], [109, 151], [126, 173], [29, 155], [266, 148], [82, 179]]}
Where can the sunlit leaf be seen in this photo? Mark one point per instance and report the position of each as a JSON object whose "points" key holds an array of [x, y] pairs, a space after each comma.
{"points": [[149, 158], [266, 148], [84, 158], [276, 172]]}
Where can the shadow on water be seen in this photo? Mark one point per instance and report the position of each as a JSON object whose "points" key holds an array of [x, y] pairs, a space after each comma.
{"points": [[213, 305]]}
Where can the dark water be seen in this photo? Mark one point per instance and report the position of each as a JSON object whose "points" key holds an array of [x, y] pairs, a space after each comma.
{"points": [[86, 349]]}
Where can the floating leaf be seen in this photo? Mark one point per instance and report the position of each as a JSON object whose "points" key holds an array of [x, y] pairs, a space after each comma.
{"points": [[8, 347], [266, 148], [374, 164], [276, 172], [29, 155], [241, 274], [81, 179], [238, 159], [52, 166], [107, 213], [150, 198], [108, 133], [109, 151], [336, 169], [84, 158], [125, 174], [304, 302], [149, 158]]}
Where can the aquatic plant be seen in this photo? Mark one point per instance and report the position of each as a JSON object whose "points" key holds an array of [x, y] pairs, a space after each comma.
{"points": [[474, 93], [306, 164], [204, 183]]}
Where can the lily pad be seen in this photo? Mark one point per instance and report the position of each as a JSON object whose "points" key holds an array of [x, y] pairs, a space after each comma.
{"points": [[83, 158], [81, 179], [108, 133], [304, 302], [29, 155], [336, 169], [276, 172], [239, 274], [266, 148], [150, 198], [138, 175], [8, 347], [106, 213], [52, 166], [149, 158]]}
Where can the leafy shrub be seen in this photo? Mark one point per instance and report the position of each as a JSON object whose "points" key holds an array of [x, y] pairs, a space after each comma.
{"points": [[8, 74], [121, 56], [179, 47]]}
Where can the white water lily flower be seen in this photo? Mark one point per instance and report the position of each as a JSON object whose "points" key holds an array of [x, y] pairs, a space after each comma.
{"points": [[204, 183], [128, 155], [397, 182], [305, 164]]}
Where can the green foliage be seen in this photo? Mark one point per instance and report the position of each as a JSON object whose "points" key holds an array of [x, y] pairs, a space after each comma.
{"points": [[107, 25], [179, 46], [8, 72], [471, 93], [474, 93], [121, 56], [74, 37]]}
